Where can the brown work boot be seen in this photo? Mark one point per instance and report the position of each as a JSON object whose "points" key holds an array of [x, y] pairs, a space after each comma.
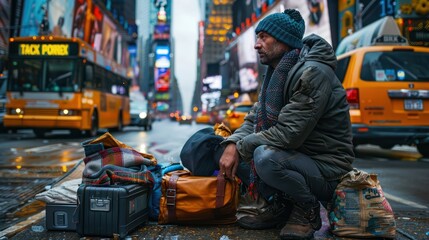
{"points": [[303, 222], [276, 214]]}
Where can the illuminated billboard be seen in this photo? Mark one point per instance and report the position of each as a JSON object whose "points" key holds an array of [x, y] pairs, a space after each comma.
{"points": [[161, 32], [316, 17], [162, 57], [162, 68], [247, 61], [79, 19], [162, 79], [42, 17], [96, 28]]}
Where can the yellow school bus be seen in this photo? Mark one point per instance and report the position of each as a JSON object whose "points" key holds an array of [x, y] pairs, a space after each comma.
{"points": [[62, 83]]}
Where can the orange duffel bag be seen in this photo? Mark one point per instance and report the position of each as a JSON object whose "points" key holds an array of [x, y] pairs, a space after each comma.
{"points": [[188, 199]]}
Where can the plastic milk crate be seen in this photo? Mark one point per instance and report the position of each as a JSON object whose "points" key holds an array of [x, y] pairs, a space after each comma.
{"points": [[114, 209]]}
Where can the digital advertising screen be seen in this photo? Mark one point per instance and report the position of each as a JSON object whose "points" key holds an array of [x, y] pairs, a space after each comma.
{"points": [[34, 12], [247, 60], [60, 17], [316, 17], [109, 38], [162, 68], [96, 28], [161, 32], [162, 56], [162, 79], [79, 19]]}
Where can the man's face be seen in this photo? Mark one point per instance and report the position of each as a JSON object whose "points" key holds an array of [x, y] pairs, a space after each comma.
{"points": [[269, 49]]}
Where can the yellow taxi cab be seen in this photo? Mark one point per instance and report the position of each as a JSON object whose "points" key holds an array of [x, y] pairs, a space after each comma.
{"points": [[202, 118], [185, 119], [387, 87], [234, 116], [217, 114]]}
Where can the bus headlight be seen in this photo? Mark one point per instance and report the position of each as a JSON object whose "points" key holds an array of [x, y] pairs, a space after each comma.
{"points": [[66, 112], [143, 115], [16, 111]]}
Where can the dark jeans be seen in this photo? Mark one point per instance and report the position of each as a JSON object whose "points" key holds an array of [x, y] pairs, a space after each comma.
{"points": [[291, 172]]}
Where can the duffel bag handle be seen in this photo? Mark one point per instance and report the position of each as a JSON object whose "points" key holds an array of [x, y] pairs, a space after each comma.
{"points": [[220, 191]]}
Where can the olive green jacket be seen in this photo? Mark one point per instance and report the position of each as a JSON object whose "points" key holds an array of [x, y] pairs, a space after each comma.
{"points": [[315, 120]]}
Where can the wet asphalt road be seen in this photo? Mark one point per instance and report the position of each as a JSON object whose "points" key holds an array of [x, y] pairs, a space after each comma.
{"points": [[28, 164]]}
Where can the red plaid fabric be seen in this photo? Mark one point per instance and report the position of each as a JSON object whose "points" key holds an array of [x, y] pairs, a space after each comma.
{"points": [[117, 165]]}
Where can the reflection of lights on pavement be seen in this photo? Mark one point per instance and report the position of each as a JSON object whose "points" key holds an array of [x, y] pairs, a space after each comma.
{"points": [[65, 156], [143, 148], [18, 159]]}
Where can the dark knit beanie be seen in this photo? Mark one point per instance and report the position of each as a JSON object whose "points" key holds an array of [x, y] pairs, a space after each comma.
{"points": [[287, 27]]}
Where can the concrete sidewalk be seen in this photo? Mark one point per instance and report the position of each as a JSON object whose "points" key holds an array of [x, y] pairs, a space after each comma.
{"points": [[410, 225], [414, 228]]}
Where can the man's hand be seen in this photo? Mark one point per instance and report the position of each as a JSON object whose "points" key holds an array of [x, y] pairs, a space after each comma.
{"points": [[229, 161]]}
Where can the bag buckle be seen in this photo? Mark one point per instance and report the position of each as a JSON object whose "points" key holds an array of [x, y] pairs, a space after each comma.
{"points": [[171, 197]]}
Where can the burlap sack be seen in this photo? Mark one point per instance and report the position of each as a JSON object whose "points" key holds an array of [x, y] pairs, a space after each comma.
{"points": [[360, 209]]}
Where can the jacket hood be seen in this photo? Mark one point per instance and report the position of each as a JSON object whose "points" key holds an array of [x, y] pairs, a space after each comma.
{"points": [[318, 49]]}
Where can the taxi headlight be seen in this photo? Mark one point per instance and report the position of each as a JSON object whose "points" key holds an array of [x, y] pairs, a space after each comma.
{"points": [[143, 115]]}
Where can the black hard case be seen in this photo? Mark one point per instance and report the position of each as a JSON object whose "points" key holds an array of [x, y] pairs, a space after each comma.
{"points": [[60, 217], [105, 210]]}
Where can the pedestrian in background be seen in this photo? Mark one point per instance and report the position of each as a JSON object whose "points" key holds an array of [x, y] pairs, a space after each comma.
{"points": [[297, 138]]}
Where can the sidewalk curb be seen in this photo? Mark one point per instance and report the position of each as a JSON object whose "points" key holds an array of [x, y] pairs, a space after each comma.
{"points": [[11, 231]]}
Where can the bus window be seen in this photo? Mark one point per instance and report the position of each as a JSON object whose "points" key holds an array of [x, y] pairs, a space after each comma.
{"points": [[26, 75], [98, 78], [110, 78], [59, 75], [89, 76]]}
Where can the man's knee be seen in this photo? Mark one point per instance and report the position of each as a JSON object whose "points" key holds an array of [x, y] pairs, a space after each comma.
{"points": [[261, 155], [263, 158]]}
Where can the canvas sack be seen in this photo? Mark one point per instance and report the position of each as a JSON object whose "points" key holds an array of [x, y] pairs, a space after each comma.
{"points": [[360, 209]]}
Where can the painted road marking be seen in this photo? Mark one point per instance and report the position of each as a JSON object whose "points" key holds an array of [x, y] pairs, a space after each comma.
{"points": [[398, 152], [404, 201], [53, 147], [47, 148]]}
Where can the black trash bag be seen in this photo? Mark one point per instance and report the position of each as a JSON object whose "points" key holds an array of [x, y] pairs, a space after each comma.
{"points": [[202, 152]]}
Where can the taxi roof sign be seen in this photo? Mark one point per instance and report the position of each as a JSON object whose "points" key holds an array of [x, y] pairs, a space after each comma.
{"points": [[368, 35], [390, 40]]}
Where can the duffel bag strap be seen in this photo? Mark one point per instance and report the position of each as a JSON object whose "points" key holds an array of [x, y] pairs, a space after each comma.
{"points": [[220, 193], [171, 197]]}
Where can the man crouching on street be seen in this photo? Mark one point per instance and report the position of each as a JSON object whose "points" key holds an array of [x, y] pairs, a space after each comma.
{"points": [[297, 138]]}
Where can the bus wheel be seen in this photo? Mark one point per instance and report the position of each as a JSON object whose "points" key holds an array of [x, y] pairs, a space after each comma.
{"points": [[120, 126], [76, 132], [423, 149], [40, 133], [94, 126]]}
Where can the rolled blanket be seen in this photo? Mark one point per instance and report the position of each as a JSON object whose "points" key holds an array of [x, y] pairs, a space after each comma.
{"points": [[117, 165]]}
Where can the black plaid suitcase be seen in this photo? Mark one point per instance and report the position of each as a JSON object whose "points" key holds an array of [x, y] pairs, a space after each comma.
{"points": [[108, 210]]}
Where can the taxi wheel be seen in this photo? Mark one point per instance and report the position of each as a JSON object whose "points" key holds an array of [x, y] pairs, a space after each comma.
{"points": [[386, 146], [423, 149]]}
